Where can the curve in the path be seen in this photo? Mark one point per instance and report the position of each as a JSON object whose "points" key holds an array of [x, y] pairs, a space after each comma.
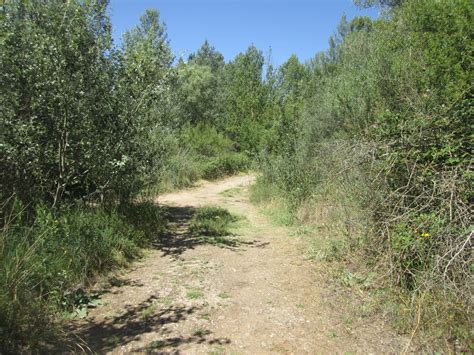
{"points": [[257, 296]]}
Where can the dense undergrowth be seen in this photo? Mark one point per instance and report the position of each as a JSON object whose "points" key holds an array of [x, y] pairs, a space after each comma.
{"points": [[382, 157], [48, 261], [199, 152]]}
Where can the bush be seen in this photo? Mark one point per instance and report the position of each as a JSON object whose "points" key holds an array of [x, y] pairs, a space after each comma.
{"points": [[41, 263], [205, 140], [226, 164], [180, 170], [198, 152]]}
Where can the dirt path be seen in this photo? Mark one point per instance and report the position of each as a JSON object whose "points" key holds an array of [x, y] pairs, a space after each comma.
{"points": [[257, 297]]}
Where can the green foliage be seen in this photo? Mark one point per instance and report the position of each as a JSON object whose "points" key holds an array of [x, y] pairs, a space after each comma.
{"points": [[291, 85], [77, 116], [245, 100], [199, 89], [214, 151], [56, 102], [82, 124], [193, 153], [198, 94], [382, 129], [205, 140], [207, 55], [226, 164], [45, 265], [379, 124], [179, 171], [413, 246], [144, 82], [381, 3]]}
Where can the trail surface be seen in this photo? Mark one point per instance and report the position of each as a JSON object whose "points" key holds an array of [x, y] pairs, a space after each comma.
{"points": [[257, 296]]}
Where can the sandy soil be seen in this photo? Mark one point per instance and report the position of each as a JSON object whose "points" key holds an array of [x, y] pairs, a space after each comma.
{"points": [[256, 296]]}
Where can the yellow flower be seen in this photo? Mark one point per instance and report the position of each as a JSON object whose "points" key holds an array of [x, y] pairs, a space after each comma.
{"points": [[425, 235]]}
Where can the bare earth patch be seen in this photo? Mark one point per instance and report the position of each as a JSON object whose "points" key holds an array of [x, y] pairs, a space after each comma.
{"points": [[255, 296]]}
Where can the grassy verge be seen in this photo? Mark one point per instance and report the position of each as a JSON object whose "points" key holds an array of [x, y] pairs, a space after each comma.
{"points": [[270, 199], [339, 235], [47, 259]]}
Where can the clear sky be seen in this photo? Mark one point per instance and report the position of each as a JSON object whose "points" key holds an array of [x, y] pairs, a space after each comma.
{"points": [[300, 27]]}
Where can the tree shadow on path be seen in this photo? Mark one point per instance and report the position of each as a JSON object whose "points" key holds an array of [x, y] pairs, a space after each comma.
{"points": [[133, 322], [178, 238], [129, 326]]}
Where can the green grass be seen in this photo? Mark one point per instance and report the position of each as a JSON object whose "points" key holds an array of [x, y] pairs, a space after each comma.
{"points": [[166, 301], [180, 170], [212, 222], [271, 199], [148, 312], [228, 163], [194, 294], [212, 225], [232, 192], [205, 316], [155, 344], [47, 258]]}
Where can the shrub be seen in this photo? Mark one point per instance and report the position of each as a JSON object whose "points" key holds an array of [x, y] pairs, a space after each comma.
{"points": [[44, 261], [205, 140], [226, 164], [180, 170]]}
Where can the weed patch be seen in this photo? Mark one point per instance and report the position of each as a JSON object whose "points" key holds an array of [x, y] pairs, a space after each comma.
{"points": [[194, 294], [45, 257], [212, 222]]}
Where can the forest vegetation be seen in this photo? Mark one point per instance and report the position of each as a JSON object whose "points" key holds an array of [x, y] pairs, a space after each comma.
{"points": [[376, 132]]}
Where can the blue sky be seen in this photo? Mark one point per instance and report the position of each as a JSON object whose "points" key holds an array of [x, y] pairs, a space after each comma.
{"points": [[300, 27]]}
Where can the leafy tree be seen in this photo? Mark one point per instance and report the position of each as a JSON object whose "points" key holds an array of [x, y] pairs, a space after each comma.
{"points": [[337, 38], [145, 65], [380, 3], [146, 50], [209, 56], [361, 23], [245, 99], [292, 77], [200, 87], [145, 79], [197, 96], [58, 115], [292, 80]]}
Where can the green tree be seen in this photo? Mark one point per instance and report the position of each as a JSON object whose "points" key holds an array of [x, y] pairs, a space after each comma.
{"points": [[57, 108], [245, 99], [197, 93], [145, 81], [292, 80], [209, 56], [380, 3], [200, 86]]}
